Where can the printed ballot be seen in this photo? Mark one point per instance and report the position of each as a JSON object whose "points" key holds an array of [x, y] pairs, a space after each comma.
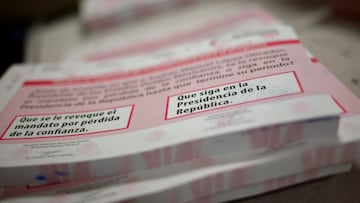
{"points": [[70, 121], [226, 107]]}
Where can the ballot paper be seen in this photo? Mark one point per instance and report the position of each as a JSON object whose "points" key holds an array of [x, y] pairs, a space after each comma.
{"points": [[209, 25], [164, 147], [100, 14], [240, 192], [170, 54], [67, 122], [103, 13], [313, 165], [312, 160], [271, 185]]}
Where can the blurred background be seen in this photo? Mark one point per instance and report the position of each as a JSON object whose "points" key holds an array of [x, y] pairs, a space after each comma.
{"points": [[17, 17], [29, 28]]}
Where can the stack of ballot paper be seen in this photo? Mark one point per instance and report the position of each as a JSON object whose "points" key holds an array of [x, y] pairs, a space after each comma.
{"points": [[223, 108]]}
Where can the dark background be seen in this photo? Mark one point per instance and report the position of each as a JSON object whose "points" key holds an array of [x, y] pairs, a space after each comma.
{"points": [[16, 17]]}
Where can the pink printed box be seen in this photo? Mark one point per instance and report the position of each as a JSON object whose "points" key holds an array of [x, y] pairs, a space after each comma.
{"points": [[210, 90], [112, 113]]}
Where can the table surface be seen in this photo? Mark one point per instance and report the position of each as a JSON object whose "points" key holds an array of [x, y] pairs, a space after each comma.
{"points": [[335, 42]]}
